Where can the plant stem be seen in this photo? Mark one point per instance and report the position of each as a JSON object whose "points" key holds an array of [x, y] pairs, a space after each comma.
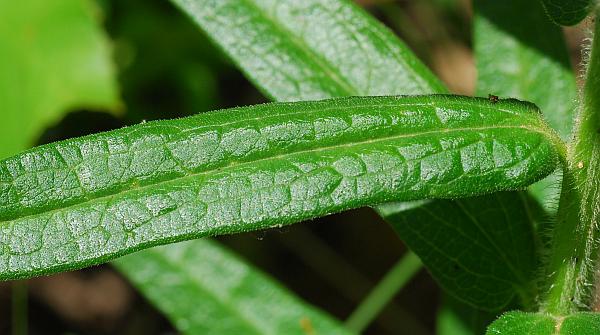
{"points": [[380, 296], [19, 308], [574, 248]]}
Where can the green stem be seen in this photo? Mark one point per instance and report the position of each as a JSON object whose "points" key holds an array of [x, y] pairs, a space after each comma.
{"points": [[19, 308], [380, 296], [574, 250]]}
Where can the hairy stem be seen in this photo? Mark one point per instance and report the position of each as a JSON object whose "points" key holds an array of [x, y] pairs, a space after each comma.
{"points": [[574, 242]]}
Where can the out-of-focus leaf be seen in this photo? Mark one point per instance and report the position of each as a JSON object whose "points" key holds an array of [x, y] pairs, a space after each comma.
{"points": [[457, 318], [482, 250], [520, 323], [86, 200], [527, 61], [53, 58], [205, 289], [568, 12]]}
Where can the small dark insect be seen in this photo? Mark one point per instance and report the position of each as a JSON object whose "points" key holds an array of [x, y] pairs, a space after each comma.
{"points": [[493, 98]]}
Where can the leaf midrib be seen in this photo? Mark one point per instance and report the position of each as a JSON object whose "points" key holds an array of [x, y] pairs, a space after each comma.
{"points": [[234, 165]]}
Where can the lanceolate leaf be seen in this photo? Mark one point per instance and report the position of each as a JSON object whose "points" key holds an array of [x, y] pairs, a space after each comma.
{"points": [[224, 295], [312, 49], [568, 12], [53, 58], [513, 60], [519, 323], [480, 250], [86, 200]]}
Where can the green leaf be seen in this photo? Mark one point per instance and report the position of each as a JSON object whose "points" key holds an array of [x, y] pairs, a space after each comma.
{"points": [[457, 318], [482, 250], [519, 323], [512, 61], [568, 12], [53, 57], [84, 201], [312, 49], [234, 297]]}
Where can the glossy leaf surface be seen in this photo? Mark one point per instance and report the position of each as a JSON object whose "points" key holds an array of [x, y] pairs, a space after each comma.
{"points": [[83, 201], [519, 323], [311, 49], [568, 12], [203, 288], [480, 250], [53, 58]]}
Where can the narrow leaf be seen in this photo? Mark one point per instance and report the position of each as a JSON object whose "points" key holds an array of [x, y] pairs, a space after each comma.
{"points": [[312, 49], [234, 297], [568, 12], [53, 58], [482, 250], [83, 201], [519, 323], [512, 61]]}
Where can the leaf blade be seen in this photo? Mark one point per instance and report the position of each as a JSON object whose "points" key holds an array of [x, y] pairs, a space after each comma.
{"points": [[482, 251], [236, 298], [299, 50], [166, 181], [568, 13], [517, 323]]}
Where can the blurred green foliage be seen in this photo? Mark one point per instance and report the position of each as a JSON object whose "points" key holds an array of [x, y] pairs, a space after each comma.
{"points": [[54, 57]]}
